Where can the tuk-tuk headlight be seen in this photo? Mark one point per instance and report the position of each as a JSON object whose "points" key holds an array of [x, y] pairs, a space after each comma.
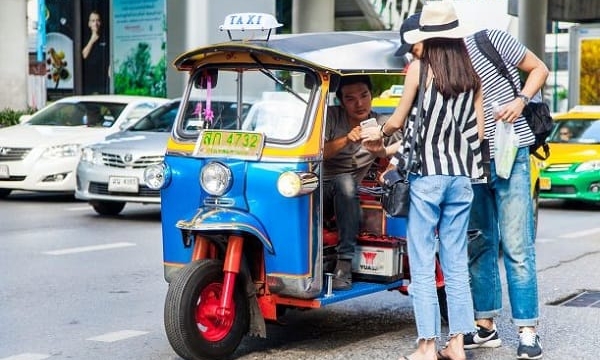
{"points": [[157, 176], [292, 183], [215, 178]]}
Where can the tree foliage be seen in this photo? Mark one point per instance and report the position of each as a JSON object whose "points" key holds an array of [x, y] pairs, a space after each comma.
{"points": [[136, 75]]}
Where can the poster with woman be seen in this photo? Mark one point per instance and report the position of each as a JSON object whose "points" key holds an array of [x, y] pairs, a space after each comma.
{"points": [[95, 51]]}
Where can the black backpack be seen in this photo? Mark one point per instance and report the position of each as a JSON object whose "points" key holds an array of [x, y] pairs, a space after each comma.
{"points": [[537, 114]]}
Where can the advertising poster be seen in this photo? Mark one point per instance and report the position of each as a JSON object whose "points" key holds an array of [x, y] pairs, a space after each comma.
{"points": [[139, 43], [95, 46], [584, 62], [589, 83], [59, 45]]}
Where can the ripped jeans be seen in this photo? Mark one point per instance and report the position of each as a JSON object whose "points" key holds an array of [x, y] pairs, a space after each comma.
{"points": [[502, 215], [439, 203]]}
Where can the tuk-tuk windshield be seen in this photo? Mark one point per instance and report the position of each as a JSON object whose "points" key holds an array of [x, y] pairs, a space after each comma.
{"points": [[272, 101]]}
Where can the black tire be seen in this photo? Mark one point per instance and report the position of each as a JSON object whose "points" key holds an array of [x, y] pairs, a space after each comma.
{"points": [[4, 193], [110, 208], [184, 305]]}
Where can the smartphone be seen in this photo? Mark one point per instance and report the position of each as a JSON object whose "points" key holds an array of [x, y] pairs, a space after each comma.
{"points": [[368, 123]]}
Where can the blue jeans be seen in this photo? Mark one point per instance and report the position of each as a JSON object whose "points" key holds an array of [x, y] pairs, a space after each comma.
{"points": [[502, 214], [439, 204], [340, 198]]}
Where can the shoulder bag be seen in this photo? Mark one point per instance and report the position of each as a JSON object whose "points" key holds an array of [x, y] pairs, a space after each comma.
{"points": [[395, 197]]}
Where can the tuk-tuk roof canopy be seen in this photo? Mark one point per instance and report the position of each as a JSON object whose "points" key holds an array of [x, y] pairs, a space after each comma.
{"points": [[342, 52]]}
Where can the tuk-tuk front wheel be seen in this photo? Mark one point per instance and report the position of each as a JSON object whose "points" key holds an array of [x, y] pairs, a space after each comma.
{"points": [[194, 327]]}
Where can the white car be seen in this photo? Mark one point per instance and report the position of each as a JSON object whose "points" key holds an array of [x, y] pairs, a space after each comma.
{"points": [[41, 153]]}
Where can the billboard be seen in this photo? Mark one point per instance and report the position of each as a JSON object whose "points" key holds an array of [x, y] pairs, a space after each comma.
{"points": [[139, 43], [584, 78], [59, 46], [95, 47]]}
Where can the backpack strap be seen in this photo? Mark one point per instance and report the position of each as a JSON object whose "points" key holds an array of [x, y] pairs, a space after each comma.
{"points": [[485, 46]]}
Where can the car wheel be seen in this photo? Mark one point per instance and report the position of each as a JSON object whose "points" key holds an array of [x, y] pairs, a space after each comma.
{"points": [[4, 193], [108, 207]]}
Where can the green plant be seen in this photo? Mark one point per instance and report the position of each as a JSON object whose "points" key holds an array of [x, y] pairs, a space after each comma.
{"points": [[562, 94], [10, 117]]}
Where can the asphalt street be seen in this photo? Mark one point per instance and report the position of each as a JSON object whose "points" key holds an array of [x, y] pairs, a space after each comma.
{"points": [[78, 286]]}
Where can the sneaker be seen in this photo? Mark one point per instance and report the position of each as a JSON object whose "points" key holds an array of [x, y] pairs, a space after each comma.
{"points": [[529, 345], [482, 338]]}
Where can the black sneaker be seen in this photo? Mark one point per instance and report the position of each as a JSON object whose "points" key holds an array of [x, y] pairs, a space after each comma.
{"points": [[482, 338], [529, 345]]}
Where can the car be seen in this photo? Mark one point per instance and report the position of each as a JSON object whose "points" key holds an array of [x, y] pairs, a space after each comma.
{"points": [[41, 152], [572, 171], [110, 173]]}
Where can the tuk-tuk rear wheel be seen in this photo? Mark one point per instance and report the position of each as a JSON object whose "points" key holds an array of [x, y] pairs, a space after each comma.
{"points": [[193, 328]]}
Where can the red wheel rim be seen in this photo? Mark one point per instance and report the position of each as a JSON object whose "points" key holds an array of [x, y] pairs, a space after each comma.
{"points": [[212, 326]]}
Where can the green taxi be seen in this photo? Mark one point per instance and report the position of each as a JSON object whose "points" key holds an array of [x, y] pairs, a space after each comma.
{"points": [[572, 172]]}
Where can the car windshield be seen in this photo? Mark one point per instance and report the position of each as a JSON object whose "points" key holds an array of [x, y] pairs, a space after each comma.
{"points": [[159, 120], [582, 131], [93, 114], [273, 101]]}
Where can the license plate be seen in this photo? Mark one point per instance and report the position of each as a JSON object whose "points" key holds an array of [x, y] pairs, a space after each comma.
{"points": [[4, 174], [123, 184], [242, 144], [545, 183]]}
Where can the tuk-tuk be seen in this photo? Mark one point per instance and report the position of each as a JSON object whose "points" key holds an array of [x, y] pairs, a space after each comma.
{"points": [[244, 236]]}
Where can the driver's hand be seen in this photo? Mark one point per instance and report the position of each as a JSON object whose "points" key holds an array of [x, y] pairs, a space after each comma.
{"points": [[354, 134]]}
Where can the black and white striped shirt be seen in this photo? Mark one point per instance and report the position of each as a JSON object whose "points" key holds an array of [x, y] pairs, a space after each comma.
{"points": [[497, 88], [448, 143]]}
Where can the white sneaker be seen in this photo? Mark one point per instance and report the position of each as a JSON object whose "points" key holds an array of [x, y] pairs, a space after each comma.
{"points": [[482, 338]]}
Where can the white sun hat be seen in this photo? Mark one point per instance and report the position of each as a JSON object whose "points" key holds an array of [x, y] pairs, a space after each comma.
{"points": [[438, 20]]}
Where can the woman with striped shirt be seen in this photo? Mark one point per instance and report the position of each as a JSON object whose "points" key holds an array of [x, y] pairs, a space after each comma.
{"points": [[449, 156]]}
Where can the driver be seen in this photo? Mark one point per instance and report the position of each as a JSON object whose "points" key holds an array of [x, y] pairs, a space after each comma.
{"points": [[346, 162]]}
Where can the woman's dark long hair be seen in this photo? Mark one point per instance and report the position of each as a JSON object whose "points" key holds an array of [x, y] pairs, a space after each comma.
{"points": [[451, 65]]}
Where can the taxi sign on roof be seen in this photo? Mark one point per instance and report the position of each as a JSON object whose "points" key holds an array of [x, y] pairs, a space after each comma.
{"points": [[250, 21]]}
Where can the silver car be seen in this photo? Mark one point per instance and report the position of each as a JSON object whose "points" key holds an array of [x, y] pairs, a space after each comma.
{"points": [[110, 173]]}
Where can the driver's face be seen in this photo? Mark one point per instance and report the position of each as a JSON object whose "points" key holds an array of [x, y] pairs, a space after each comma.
{"points": [[356, 100]]}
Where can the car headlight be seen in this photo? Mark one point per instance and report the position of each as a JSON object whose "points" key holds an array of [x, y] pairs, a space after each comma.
{"points": [[91, 155], [60, 151], [157, 176], [292, 183], [593, 165], [215, 178]]}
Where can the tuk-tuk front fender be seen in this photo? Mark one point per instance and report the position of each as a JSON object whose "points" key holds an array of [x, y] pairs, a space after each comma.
{"points": [[225, 219]]}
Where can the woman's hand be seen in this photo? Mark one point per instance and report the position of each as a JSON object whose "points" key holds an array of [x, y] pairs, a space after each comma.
{"points": [[372, 133], [380, 178], [371, 140]]}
